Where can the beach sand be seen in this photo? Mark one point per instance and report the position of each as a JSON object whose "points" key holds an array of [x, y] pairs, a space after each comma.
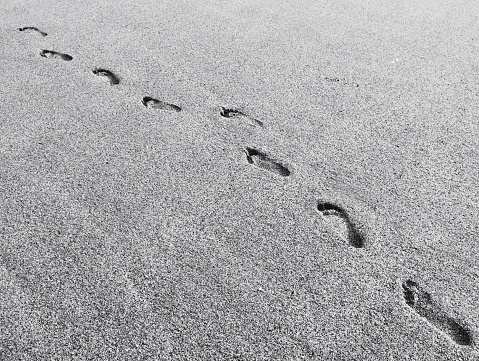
{"points": [[248, 180]]}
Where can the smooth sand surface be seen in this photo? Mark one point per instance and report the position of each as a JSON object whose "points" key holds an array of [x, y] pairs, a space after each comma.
{"points": [[239, 180]]}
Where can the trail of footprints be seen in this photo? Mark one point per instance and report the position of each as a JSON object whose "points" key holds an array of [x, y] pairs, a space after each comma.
{"points": [[417, 299]]}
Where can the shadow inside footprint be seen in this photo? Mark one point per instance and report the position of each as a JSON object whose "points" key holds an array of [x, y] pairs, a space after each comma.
{"points": [[423, 304], [261, 160], [114, 80], [229, 113], [159, 104], [55, 54], [355, 237], [233, 113], [34, 29], [328, 209]]}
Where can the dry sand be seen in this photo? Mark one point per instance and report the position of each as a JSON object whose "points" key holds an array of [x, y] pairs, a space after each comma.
{"points": [[247, 180]]}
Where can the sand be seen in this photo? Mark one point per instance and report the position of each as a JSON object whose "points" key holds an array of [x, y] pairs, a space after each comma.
{"points": [[248, 180]]}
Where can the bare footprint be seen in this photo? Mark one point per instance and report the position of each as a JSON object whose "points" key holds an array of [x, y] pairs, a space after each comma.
{"points": [[423, 304], [108, 74], [159, 104], [32, 29], [261, 160], [55, 55], [355, 238], [340, 80], [233, 113]]}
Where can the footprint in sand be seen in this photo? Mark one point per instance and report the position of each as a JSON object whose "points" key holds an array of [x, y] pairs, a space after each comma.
{"points": [[355, 238], [262, 160], [340, 80], [159, 104], [32, 29], [236, 114], [423, 304], [107, 74], [56, 55]]}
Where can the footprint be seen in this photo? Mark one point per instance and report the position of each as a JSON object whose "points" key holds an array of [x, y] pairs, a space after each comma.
{"points": [[423, 304], [56, 55], [340, 80], [159, 104], [32, 28], [108, 74], [332, 79], [263, 161], [233, 113], [355, 238]]}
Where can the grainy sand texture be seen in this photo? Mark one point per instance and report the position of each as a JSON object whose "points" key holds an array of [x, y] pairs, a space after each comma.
{"points": [[239, 180]]}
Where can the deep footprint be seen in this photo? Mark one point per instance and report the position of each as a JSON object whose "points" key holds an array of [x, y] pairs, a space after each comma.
{"points": [[159, 104], [108, 74], [355, 238], [32, 28], [263, 161], [233, 113], [55, 55], [423, 304]]}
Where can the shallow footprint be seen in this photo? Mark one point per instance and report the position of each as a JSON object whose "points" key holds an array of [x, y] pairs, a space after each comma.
{"points": [[423, 304], [33, 29], [340, 80], [56, 55], [159, 104], [261, 160], [233, 113], [355, 238], [108, 74]]}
